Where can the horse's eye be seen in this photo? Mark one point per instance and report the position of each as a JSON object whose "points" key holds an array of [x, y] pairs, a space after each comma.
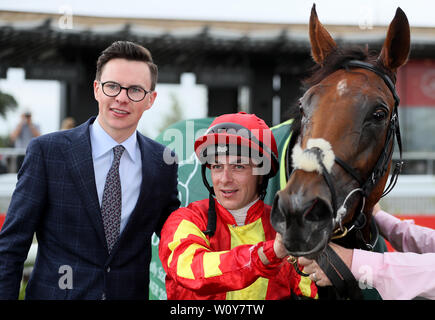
{"points": [[380, 114]]}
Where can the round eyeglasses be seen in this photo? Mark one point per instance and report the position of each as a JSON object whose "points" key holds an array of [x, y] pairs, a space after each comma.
{"points": [[134, 93]]}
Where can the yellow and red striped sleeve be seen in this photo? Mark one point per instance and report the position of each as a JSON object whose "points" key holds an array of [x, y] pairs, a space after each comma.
{"points": [[187, 257]]}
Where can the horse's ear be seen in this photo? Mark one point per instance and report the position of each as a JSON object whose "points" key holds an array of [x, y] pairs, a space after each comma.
{"points": [[395, 50], [321, 41]]}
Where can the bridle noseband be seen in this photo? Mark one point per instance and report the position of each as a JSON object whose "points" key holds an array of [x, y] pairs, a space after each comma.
{"points": [[381, 166]]}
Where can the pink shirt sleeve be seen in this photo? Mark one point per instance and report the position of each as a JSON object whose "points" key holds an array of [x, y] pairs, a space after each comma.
{"points": [[399, 275], [396, 275], [404, 235]]}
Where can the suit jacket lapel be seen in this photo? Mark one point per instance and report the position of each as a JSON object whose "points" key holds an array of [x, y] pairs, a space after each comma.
{"points": [[79, 159], [148, 168]]}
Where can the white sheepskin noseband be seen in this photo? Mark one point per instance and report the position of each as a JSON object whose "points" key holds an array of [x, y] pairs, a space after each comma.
{"points": [[307, 160]]}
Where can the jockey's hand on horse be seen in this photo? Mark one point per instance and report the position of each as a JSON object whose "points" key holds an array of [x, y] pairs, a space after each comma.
{"points": [[316, 274], [279, 247]]}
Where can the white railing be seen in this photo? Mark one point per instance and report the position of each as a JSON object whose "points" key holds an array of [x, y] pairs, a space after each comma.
{"points": [[412, 195], [8, 157], [12, 151]]}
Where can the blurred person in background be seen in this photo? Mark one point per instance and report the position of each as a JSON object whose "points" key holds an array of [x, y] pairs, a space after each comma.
{"points": [[25, 131], [68, 123]]}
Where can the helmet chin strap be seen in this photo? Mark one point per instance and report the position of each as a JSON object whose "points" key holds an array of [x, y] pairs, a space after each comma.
{"points": [[204, 179], [211, 220], [263, 187]]}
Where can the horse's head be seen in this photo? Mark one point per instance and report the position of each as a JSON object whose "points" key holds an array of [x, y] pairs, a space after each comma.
{"points": [[342, 156]]}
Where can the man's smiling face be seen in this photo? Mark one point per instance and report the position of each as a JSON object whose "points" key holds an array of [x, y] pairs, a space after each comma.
{"points": [[119, 115]]}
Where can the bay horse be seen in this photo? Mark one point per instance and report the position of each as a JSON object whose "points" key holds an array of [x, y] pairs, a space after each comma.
{"points": [[341, 148]]}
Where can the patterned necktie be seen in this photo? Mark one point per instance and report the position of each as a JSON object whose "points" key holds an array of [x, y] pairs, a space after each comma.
{"points": [[112, 201]]}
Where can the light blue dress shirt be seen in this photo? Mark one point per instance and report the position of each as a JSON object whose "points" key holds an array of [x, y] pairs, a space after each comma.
{"points": [[130, 167]]}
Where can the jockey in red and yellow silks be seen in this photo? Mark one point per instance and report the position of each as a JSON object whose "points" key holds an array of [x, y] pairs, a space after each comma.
{"points": [[223, 247], [225, 266]]}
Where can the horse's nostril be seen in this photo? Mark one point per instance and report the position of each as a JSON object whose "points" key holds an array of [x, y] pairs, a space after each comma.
{"points": [[278, 215], [318, 210]]}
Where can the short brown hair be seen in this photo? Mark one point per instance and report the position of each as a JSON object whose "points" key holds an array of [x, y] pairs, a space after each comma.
{"points": [[129, 51]]}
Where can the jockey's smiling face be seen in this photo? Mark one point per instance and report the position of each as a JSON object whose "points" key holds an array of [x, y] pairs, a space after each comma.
{"points": [[233, 180]]}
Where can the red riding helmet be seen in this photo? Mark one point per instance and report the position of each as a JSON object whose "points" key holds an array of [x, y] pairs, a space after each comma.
{"points": [[240, 134]]}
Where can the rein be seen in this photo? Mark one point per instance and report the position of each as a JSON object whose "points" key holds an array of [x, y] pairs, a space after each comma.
{"points": [[328, 260]]}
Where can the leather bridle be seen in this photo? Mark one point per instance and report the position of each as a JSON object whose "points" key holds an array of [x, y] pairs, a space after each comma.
{"points": [[338, 273], [381, 166]]}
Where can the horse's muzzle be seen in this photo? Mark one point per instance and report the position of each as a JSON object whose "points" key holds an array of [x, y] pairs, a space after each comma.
{"points": [[305, 224]]}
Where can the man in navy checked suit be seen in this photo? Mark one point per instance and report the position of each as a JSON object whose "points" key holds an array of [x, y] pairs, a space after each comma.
{"points": [[59, 190]]}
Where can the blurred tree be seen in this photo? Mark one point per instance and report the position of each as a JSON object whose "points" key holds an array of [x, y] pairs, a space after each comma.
{"points": [[176, 113], [7, 102], [5, 142]]}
